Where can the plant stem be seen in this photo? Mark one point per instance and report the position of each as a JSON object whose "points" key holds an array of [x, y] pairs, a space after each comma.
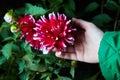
{"points": [[116, 19], [102, 6]]}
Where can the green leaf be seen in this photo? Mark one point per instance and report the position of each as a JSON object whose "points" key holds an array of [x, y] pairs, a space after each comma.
{"points": [[28, 58], [21, 65], [94, 77], [44, 75], [72, 71], [16, 48], [55, 5], [11, 12], [27, 48], [25, 76], [70, 8], [5, 31], [16, 35], [8, 38], [101, 19], [48, 78], [7, 50], [34, 10], [20, 11], [31, 9], [91, 7], [4, 26], [55, 2], [2, 59], [71, 4], [37, 67], [50, 68], [111, 5], [64, 78]]}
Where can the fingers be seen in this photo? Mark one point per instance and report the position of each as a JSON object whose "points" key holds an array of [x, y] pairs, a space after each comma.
{"points": [[66, 55], [69, 49], [58, 53]]}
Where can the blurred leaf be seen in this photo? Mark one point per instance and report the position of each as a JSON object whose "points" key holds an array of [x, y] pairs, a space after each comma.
{"points": [[55, 2], [5, 34], [49, 58], [44, 75], [7, 50], [70, 8], [101, 19], [71, 4], [36, 61], [111, 5], [64, 78], [28, 58], [16, 35], [50, 68], [34, 10], [25, 76], [21, 65], [94, 77], [55, 5], [20, 11], [27, 48], [5, 31], [31, 9], [48, 78], [32, 66], [56, 71], [2, 59], [37, 67], [8, 38], [4, 26], [91, 7], [72, 71], [16, 48]]}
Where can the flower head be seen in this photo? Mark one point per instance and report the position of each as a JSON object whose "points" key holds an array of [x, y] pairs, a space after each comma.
{"points": [[54, 32], [26, 25]]}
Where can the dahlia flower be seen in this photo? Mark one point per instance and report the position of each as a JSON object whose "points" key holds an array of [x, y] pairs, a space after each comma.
{"points": [[54, 32], [26, 25], [47, 34]]}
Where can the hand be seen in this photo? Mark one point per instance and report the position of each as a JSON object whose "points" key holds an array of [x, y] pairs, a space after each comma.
{"points": [[87, 42]]}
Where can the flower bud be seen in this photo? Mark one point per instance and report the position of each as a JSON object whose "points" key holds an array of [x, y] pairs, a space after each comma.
{"points": [[74, 63], [8, 17], [13, 28]]}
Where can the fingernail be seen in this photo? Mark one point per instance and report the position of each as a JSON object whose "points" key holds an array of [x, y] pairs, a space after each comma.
{"points": [[58, 53]]}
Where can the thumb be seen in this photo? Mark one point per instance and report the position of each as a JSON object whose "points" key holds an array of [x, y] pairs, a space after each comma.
{"points": [[81, 23]]}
